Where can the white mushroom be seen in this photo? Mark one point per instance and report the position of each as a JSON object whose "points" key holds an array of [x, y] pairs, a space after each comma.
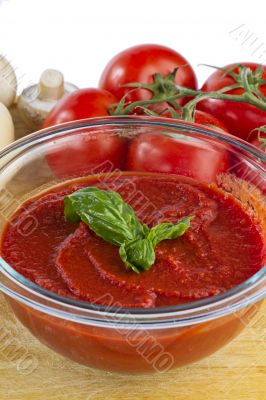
{"points": [[7, 135], [8, 82], [36, 101]]}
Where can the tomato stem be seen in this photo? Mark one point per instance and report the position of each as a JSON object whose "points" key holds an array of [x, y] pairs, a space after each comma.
{"points": [[164, 90]]}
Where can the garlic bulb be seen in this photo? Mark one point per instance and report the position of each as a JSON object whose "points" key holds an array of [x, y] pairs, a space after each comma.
{"points": [[36, 101], [7, 134], [8, 82]]}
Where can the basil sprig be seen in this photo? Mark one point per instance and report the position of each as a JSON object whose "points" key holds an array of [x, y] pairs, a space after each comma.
{"points": [[115, 221]]}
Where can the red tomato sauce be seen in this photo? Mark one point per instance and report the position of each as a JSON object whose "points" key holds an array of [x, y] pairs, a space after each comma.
{"points": [[222, 248]]}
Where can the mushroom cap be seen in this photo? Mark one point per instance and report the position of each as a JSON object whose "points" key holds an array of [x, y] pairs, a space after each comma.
{"points": [[7, 132], [8, 82]]}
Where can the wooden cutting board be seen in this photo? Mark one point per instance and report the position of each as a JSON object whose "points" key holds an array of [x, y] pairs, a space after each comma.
{"points": [[236, 372]]}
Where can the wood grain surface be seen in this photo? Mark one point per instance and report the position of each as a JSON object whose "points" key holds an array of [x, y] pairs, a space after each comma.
{"points": [[236, 372]]}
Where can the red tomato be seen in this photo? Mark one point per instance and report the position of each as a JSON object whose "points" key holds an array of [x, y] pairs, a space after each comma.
{"points": [[162, 153], [240, 118], [92, 153], [138, 64], [83, 103], [89, 154]]}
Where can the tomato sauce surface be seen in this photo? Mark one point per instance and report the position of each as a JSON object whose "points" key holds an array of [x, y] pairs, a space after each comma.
{"points": [[222, 248]]}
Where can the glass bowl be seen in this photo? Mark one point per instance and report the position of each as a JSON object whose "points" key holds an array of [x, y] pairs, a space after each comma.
{"points": [[120, 339]]}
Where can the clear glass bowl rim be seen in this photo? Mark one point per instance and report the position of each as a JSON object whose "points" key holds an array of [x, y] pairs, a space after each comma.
{"points": [[233, 300]]}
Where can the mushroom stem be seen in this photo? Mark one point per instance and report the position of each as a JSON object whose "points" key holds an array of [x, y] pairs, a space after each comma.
{"points": [[51, 85], [36, 101]]}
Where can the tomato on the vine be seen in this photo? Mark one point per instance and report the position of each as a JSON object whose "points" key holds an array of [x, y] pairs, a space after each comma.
{"points": [[182, 155], [239, 117], [139, 64]]}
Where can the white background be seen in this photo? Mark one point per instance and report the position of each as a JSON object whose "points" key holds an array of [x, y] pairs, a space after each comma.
{"points": [[79, 37]]}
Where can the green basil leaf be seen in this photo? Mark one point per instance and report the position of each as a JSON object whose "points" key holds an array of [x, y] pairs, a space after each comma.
{"points": [[138, 254], [106, 213], [69, 211], [167, 230], [111, 218]]}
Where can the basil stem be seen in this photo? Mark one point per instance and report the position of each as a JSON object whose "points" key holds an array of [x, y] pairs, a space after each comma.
{"points": [[115, 221]]}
